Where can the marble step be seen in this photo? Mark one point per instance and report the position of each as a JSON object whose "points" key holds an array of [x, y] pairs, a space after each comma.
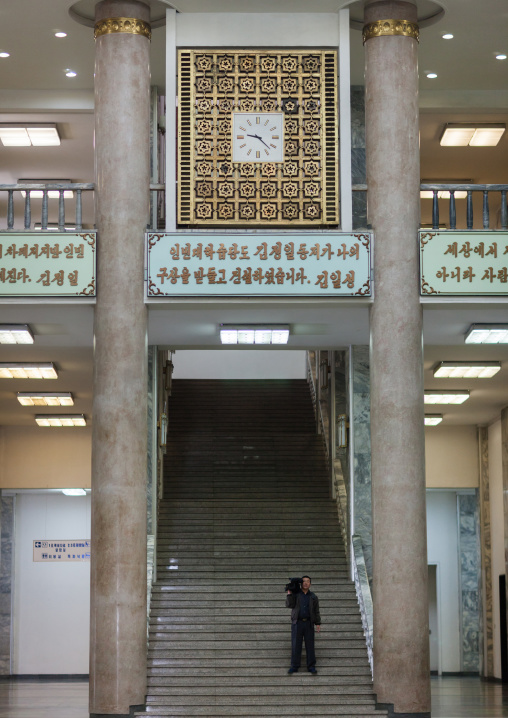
{"points": [[253, 666], [291, 708], [217, 679]]}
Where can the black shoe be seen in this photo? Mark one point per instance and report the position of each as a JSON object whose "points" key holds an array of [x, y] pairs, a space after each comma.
{"points": [[313, 671], [292, 670]]}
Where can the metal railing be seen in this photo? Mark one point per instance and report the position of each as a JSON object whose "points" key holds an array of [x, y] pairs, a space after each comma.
{"points": [[12, 191], [487, 191], [364, 596], [32, 216], [448, 192]]}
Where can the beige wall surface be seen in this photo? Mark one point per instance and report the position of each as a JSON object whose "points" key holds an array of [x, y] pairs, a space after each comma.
{"points": [[45, 458], [451, 457], [497, 532]]}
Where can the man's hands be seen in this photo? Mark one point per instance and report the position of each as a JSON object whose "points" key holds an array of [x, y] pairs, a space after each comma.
{"points": [[318, 628]]}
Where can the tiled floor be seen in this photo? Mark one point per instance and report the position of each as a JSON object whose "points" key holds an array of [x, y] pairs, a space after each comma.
{"points": [[451, 698]]}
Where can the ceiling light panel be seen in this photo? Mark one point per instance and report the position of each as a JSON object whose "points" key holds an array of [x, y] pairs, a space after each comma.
{"points": [[60, 421], [74, 492], [27, 370], [487, 334], [456, 136], [466, 370], [461, 135], [445, 397], [18, 135], [29, 398], [254, 334], [433, 419], [487, 136], [16, 334]]}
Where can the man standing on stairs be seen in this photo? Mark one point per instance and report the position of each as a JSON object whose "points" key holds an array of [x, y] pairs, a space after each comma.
{"points": [[305, 616]]}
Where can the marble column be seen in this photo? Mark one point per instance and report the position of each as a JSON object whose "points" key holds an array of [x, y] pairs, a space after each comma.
{"points": [[401, 637], [487, 664], [504, 456], [119, 440]]}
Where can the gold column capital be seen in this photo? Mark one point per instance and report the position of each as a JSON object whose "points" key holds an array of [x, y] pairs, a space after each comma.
{"points": [[129, 25], [391, 27]]}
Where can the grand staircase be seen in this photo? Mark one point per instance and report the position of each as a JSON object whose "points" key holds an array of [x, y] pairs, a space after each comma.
{"points": [[245, 507]]}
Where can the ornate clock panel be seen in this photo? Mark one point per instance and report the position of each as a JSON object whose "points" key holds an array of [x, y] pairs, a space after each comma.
{"points": [[258, 138]]}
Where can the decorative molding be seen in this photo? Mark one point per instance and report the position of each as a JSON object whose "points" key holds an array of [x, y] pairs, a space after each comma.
{"points": [[391, 27], [128, 25]]}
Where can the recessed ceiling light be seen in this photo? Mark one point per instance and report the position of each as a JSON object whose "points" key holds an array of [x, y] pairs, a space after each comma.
{"points": [[60, 34], [52, 193], [16, 334], [445, 397], [53, 398], [480, 135], [21, 135], [27, 370], [431, 75], [5, 54], [487, 334], [447, 36], [433, 419], [63, 420], [254, 334], [498, 57], [70, 73], [467, 369], [74, 492]]}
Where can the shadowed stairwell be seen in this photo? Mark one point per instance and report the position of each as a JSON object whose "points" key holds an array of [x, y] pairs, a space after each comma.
{"points": [[245, 507]]}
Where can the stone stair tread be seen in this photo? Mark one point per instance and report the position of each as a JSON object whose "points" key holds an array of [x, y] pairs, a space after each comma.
{"points": [[243, 468]]}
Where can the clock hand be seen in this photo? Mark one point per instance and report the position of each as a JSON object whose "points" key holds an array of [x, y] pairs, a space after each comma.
{"points": [[259, 138]]}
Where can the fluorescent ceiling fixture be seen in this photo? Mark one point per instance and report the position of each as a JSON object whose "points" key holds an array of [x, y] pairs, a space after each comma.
{"points": [[60, 34], [498, 57], [74, 492], [16, 334], [433, 419], [254, 334], [52, 193], [442, 194], [70, 73], [445, 397], [53, 398], [63, 420], [467, 369], [487, 334], [461, 135], [20, 135], [447, 36], [5, 54], [55, 227], [431, 75], [27, 370]]}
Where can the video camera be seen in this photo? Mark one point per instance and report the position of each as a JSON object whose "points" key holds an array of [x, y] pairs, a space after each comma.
{"points": [[294, 585]]}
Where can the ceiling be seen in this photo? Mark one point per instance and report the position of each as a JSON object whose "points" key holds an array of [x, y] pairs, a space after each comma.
{"points": [[470, 85]]}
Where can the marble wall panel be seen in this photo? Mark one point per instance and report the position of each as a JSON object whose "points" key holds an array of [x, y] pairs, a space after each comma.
{"points": [[470, 603], [358, 166], [6, 567], [151, 499], [358, 395], [487, 627]]}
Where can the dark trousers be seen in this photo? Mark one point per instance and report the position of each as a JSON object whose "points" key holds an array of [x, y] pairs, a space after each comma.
{"points": [[300, 631]]}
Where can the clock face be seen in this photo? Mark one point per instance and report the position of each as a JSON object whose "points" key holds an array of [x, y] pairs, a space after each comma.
{"points": [[258, 136]]}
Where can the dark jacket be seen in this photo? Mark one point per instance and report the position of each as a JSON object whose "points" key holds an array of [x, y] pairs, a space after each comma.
{"points": [[293, 602]]}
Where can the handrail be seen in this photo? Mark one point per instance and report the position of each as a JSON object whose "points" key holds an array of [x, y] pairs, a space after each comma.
{"points": [[46, 188], [469, 189], [364, 596], [451, 189], [317, 404]]}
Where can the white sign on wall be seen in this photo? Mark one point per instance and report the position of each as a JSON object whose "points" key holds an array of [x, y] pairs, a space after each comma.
{"points": [[63, 551], [331, 264]]}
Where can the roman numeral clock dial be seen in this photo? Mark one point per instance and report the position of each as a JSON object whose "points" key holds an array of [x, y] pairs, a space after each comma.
{"points": [[258, 137]]}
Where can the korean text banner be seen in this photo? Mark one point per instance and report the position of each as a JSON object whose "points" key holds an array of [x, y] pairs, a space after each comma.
{"points": [[260, 264], [47, 264], [463, 263]]}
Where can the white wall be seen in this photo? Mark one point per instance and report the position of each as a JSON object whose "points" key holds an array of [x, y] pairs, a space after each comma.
{"points": [[497, 532], [239, 364], [442, 550], [451, 457], [51, 608]]}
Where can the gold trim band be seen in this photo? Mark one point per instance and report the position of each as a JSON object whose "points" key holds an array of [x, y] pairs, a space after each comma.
{"points": [[129, 25], [391, 27]]}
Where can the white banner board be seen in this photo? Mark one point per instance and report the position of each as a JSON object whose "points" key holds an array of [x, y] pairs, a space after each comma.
{"points": [[61, 550]]}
